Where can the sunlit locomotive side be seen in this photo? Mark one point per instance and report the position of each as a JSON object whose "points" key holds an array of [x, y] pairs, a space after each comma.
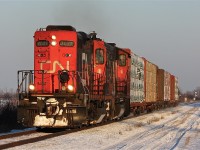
{"points": [[73, 81]]}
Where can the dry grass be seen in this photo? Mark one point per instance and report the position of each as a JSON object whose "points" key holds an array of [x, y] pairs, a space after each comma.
{"points": [[120, 132], [187, 141], [110, 136], [8, 118], [138, 124], [154, 119], [128, 128], [100, 141], [174, 112]]}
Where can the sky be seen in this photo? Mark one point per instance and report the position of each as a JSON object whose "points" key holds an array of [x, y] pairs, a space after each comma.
{"points": [[166, 32]]}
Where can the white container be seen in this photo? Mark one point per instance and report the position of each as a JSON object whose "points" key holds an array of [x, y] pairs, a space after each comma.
{"points": [[166, 86], [137, 79]]}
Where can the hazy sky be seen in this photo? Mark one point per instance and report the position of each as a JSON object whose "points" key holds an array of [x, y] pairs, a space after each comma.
{"points": [[166, 32]]}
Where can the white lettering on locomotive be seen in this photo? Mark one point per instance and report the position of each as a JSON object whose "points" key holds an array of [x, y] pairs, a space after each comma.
{"points": [[55, 63]]}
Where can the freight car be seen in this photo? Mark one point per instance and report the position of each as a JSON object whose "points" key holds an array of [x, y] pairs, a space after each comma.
{"points": [[80, 79]]}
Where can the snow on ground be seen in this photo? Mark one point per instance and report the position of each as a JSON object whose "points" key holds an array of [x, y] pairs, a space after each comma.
{"points": [[172, 128]]}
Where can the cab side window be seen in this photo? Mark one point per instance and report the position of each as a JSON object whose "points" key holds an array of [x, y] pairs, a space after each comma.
{"points": [[122, 60], [99, 59]]}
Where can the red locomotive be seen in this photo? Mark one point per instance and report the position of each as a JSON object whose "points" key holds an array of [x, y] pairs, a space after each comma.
{"points": [[80, 79]]}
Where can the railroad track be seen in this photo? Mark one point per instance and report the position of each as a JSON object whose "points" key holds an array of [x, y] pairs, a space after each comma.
{"points": [[47, 136], [11, 135], [35, 139], [50, 133]]}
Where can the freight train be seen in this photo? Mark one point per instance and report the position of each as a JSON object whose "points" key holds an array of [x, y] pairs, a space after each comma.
{"points": [[79, 79]]}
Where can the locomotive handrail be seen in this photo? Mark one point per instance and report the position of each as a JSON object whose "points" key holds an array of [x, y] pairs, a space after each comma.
{"points": [[27, 78], [94, 82], [84, 87], [25, 73], [19, 86]]}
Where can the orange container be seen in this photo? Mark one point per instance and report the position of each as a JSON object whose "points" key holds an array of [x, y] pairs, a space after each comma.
{"points": [[150, 73], [160, 85], [172, 87]]}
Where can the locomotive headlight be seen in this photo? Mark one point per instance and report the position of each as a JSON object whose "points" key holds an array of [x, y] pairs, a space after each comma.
{"points": [[53, 43], [53, 37], [63, 88], [31, 87], [70, 88]]}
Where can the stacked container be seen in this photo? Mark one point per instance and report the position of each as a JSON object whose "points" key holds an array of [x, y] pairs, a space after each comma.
{"points": [[137, 79], [150, 81], [166, 86], [172, 88], [176, 89], [160, 84]]}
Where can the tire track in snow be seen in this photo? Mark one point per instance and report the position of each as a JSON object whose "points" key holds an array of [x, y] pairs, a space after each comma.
{"points": [[174, 135], [140, 138], [191, 125], [161, 133]]}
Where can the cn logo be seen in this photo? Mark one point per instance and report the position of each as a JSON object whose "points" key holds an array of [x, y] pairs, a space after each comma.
{"points": [[55, 64]]}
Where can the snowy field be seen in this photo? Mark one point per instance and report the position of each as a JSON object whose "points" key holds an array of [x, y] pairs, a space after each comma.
{"points": [[172, 128]]}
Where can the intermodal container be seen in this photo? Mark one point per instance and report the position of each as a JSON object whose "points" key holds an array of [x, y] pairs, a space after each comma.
{"points": [[166, 86], [176, 89], [150, 74], [137, 79], [160, 84], [172, 87]]}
